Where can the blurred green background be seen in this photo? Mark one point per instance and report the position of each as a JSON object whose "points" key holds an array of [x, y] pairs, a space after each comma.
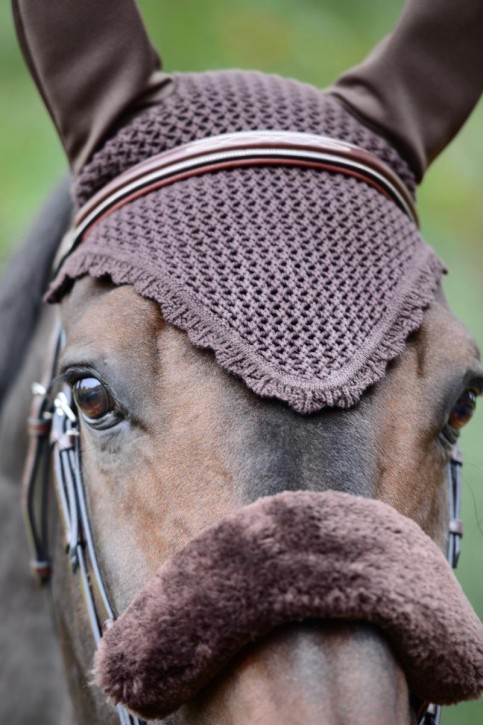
{"points": [[312, 40]]}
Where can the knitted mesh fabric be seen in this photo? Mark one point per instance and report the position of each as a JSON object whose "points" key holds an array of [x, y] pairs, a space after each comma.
{"points": [[304, 283]]}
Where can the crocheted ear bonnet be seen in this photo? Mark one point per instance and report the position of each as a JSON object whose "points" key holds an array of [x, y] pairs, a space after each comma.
{"points": [[303, 282]]}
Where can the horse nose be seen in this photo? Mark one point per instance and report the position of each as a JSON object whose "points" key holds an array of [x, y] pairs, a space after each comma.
{"points": [[308, 673]]}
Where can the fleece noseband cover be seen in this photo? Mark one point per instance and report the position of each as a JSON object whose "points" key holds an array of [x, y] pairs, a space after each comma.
{"points": [[286, 558]]}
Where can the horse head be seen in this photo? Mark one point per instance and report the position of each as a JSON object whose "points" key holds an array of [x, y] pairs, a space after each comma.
{"points": [[193, 444], [182, 428]]}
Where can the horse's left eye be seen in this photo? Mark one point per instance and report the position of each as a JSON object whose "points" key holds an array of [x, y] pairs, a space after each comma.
{"points": [[463, 410], [93, 398]]}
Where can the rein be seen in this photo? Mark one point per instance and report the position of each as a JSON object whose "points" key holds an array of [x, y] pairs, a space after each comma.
{"points": [[55, 444]]}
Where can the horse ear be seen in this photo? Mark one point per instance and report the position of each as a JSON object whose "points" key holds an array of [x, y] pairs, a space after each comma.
{"points": [[421, 83], [93, 65]]}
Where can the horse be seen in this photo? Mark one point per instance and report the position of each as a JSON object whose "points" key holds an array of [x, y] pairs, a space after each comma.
{"points": [[197, 398], [192, 444]]}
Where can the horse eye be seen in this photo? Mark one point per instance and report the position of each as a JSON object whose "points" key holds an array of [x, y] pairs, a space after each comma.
{"points": [[92, 398], [463, 410]]}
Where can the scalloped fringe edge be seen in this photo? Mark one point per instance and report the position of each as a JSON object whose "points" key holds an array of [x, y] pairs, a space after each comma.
{"points": [[303, 397]]}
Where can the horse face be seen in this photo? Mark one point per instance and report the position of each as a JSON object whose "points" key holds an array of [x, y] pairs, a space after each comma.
{"points": [[182, 443], [187, 443]]}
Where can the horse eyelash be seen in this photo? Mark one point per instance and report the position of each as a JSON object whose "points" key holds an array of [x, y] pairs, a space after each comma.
{"points": [[72, 375]]}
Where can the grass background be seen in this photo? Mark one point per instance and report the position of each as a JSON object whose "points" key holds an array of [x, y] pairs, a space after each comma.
{"points": [[313, 41]]}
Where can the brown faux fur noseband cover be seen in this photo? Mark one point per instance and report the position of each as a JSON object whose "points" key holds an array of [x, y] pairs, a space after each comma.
{"points": [[286, 558]]}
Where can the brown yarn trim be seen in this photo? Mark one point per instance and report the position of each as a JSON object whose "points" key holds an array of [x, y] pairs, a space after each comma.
{"points": [[233, 354]]}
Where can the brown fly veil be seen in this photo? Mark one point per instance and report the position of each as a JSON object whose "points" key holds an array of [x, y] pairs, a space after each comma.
{"points": [[304, 282]]}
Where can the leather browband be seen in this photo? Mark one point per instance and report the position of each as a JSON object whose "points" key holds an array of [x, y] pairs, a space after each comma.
{"points": [[235, 150]]}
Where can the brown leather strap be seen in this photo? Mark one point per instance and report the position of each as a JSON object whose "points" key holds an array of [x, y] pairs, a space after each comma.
{"points": [[235, 150]]}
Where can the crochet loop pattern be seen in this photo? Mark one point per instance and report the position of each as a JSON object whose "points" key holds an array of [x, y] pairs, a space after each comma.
{"points": [[304, 283]]}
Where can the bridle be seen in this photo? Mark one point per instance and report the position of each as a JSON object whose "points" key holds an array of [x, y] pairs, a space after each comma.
{"points": [[55, 452], [54, 449]]}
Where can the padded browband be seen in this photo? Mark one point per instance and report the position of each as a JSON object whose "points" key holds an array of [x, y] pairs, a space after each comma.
{"points": [[235, 150], [294, 556]]}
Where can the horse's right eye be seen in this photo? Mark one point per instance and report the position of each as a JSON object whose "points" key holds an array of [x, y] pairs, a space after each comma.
{"points": [[93, 399], [463, 410]]}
